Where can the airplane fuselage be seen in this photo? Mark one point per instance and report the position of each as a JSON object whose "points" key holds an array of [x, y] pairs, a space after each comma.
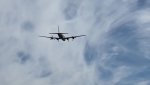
{"points": [[61, 36]]}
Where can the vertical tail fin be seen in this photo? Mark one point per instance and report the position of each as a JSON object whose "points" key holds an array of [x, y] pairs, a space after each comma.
{"points": [[58, 28]]}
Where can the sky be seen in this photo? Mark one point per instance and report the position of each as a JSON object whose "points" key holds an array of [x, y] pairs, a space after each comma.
{"points": [[116, 50]]}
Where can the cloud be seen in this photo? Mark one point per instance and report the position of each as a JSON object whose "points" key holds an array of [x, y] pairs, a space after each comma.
{"points": [[115, 50]]}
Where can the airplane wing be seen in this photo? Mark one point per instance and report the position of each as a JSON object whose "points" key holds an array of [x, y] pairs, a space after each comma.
{"points": [[51, 37], [74, 36]]}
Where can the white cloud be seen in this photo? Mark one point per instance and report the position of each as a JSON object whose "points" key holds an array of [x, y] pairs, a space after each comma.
{"points": [[143, 83], [45, 62]]}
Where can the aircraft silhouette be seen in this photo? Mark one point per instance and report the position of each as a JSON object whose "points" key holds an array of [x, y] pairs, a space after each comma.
{"points": [[61, 36]]}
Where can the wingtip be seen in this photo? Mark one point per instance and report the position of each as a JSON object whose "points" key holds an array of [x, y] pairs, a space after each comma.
{"points": [[41, 36]]}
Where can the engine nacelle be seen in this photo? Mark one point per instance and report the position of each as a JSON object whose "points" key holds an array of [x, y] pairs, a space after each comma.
{"points": [[73, 37], [52, 37]]}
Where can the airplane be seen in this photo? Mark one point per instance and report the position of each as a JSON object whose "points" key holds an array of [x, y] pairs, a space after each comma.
{"points": [[61, 36]]}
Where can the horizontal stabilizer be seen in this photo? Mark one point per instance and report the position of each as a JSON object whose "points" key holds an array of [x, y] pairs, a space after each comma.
{"points": [[58, 33]]}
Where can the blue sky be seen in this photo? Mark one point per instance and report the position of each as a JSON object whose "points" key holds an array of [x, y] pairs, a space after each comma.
{"points": [[114, 52]]}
